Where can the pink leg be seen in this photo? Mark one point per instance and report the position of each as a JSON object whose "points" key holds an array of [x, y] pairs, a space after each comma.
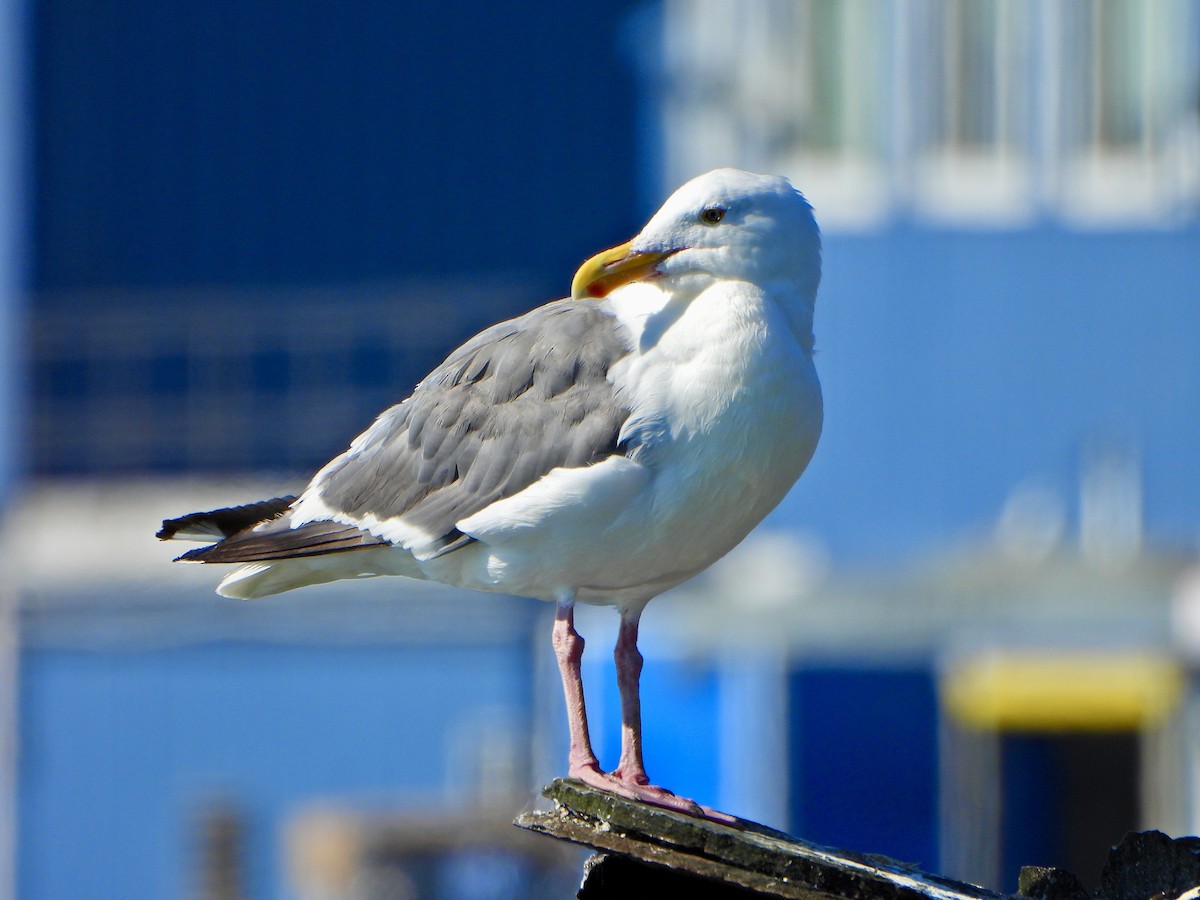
{"points": [[568, 649], [631, 771], [629, 780], [628, 658]]}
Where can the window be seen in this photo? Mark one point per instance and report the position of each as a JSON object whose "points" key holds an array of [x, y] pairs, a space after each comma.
{"points": [[970, 104], [1129, 90], [796, 87], [989, 112]]}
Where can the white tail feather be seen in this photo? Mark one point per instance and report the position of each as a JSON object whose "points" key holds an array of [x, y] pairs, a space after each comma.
{"points": [[262, 579], [256, 580]]}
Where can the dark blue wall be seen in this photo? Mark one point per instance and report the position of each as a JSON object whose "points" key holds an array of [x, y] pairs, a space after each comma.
{"points": [[864, 760], [224, 142], [430, 150]]}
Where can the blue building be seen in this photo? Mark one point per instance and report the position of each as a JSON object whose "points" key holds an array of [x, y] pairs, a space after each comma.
{"points": [[250, 232]]}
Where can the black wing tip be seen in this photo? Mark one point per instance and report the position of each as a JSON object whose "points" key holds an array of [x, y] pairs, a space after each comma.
{"points": [[224, 523], [194, 555]]}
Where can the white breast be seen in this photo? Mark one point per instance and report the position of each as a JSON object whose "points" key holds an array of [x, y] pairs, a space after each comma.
{"points": [[726, 412], [743, 405]]}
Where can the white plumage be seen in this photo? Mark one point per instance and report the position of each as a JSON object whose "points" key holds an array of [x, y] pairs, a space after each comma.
{"points": [[599, 449]]}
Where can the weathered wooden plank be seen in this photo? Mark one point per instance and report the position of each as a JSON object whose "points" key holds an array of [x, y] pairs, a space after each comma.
{"points": [[746, 855]]}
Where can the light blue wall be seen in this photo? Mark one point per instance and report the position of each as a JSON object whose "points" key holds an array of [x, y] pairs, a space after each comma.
{"points": [[959, 364], [122, 750]]}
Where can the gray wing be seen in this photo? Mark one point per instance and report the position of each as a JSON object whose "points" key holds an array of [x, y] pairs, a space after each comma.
{"points": [[516, 401]]}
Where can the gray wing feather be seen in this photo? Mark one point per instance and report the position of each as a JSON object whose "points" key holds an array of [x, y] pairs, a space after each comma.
{"points": [[516, 401], [276, 540]]}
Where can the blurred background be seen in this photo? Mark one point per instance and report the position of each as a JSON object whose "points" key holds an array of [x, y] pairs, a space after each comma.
{"points": [[232, 233]]}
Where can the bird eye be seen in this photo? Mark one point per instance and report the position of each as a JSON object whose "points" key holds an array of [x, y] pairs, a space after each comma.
{"points": [[712, 215]]}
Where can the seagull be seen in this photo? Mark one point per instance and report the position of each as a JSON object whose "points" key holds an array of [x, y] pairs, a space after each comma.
{"points": [[600, 449]]}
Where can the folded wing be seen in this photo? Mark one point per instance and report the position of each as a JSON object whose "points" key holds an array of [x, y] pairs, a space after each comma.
{"points": [[514, 403]]}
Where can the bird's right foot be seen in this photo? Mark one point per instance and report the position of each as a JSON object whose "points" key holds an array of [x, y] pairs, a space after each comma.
{"points": [[591, 775]]}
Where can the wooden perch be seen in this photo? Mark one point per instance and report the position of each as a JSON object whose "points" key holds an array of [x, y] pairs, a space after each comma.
{"points": [[648, 851]]}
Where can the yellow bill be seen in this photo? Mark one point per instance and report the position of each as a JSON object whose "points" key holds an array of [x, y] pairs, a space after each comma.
{"points": [[607, 271]]}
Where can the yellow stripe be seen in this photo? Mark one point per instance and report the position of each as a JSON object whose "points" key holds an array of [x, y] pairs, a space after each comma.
{"points": [[1063, 691]]}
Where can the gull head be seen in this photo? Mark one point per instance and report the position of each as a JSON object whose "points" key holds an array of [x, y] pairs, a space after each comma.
{"points": [[724, 225]]}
